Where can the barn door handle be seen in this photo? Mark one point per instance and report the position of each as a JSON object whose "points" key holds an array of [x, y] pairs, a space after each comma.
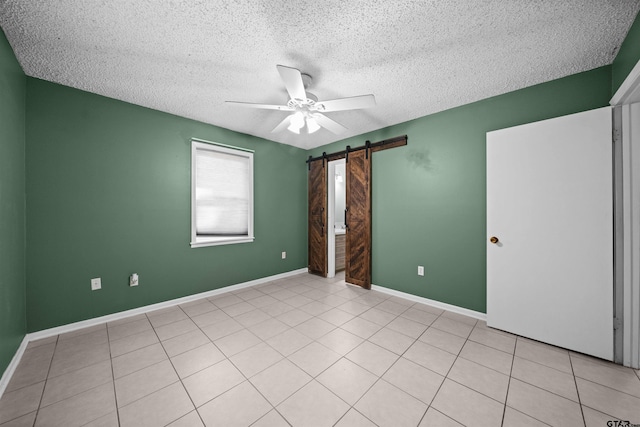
{"points": [[494, 240], [346, 224]]}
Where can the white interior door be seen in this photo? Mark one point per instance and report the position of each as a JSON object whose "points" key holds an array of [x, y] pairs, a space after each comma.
{"points": [[550, 204]]}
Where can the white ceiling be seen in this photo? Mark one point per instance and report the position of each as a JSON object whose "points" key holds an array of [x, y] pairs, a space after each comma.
{"points": [[418, 57]]}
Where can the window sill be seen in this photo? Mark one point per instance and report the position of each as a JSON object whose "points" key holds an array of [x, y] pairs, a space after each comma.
{"points": [[203, 242]]}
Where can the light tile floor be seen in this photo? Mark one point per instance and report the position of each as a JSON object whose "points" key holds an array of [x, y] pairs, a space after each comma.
{"points": [[306, 351]]}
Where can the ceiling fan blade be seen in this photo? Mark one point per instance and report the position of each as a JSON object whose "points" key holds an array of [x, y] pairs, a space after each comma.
{"points": [[263, 106], [352, 103], [283, 125], [329, 124], [293, 82]]}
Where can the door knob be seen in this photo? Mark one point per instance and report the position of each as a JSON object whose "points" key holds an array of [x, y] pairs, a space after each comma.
{"points": [[494, 240]]}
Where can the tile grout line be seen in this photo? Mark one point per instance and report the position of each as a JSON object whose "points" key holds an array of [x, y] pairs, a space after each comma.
{"points": [[345, 357], [314, 378], [233, 364], [160, 342], [605, 386], [564, 397], [447, 374], [153, 364], [290, 361], [513, 356], [414, 341], [57, 341], [317, 298], [575, 383], [534, 386], [113, 377], [252, 385], [195, 408], [40, 407], [602, 385], [44, 387], [380, 378], [506, 396]]}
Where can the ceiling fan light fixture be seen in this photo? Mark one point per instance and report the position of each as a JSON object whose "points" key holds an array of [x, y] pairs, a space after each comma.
{"points": [[296, 122], [294, 129], [312, 125]]}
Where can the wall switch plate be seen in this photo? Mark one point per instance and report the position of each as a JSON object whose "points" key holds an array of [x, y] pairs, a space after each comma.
{"points": [[284, 255], [133, 279], [420, 270], [96, 284]]}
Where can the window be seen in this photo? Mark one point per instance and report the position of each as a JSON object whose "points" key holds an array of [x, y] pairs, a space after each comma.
{"points": [[221, 194]]}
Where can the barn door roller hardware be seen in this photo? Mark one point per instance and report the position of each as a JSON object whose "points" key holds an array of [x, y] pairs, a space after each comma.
{"points": [[398, 141]]}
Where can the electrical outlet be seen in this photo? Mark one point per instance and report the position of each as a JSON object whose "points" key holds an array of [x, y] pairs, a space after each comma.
{"points": [[420, 270], [284, 255], [133, 279], [96, 284]]}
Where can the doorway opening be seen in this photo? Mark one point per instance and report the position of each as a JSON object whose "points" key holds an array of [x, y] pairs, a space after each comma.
{"points": [[336, 205]]}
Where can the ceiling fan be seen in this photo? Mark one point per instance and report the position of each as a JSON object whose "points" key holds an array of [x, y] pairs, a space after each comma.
{"points": [[304, 106]]}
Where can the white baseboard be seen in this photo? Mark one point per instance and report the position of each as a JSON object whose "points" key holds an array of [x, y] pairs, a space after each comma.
{"points": [[46, 333], [444, 306], [8, 373]]}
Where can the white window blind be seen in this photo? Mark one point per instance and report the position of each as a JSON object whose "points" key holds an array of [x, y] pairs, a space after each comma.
{"points": [[222, 195]]}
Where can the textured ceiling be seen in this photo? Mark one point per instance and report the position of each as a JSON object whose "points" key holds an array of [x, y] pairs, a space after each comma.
{"points": [[417, 57]]}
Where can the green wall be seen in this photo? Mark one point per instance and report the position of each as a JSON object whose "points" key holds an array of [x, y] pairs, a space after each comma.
{"points": [[12, 201], [428, 198], [108, 187], [108, 195], [627, 56]]}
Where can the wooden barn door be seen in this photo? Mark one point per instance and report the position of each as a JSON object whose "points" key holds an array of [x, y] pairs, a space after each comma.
{"points": [[358, 218], [318, 218]]}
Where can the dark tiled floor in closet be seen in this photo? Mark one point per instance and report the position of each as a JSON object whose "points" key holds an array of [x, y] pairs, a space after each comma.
{"points": [[306, 351]]}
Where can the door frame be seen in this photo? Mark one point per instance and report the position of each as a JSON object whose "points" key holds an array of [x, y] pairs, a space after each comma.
{"points": [[331, 209], [627, 232]]}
